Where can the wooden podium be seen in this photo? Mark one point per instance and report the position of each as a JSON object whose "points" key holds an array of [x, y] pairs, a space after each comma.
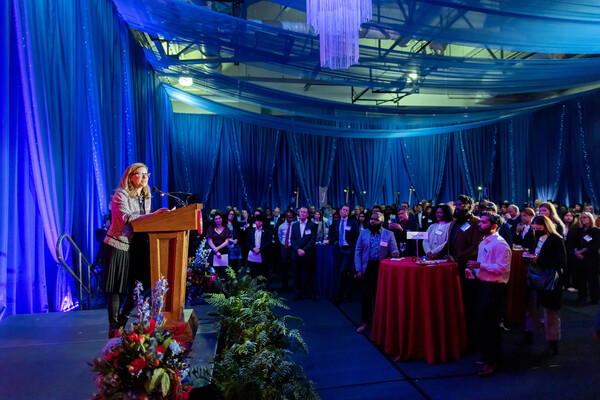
{"points": [[169, 241]]}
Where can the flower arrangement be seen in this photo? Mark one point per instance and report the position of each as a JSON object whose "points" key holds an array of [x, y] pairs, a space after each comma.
{"points": [[145, 361], [201, 277]]}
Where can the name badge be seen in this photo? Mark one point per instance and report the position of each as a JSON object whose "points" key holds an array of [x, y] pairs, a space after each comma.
{"points": [[439, 232], [347, 228], [254, 225], [307, 232], [384, 244], [587, 238], [272, 222], [465, 227]]}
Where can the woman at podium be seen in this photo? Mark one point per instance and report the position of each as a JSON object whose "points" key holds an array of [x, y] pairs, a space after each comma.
{"points": [[130, 201]]}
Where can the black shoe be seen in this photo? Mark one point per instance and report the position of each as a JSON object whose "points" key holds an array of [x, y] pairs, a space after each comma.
{"points": [[336, 300], [297, 297], [594, 302], [552, 349], [313, 297]]}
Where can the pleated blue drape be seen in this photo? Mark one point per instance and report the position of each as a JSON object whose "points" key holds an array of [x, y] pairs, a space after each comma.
{"points": [[478, 155], [81, 103], [425, 159]]}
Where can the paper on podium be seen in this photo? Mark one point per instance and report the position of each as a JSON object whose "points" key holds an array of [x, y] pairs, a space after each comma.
{"points": [[221, 262], [417, 235]]}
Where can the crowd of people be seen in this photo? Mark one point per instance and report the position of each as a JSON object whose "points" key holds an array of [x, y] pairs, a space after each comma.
{"points": [[560, 245]]}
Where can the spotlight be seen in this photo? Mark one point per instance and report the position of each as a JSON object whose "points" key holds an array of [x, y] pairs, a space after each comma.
{"points": [[413, 76], [186, 81]]}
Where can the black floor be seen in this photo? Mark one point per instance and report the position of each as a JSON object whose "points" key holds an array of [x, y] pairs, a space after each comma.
{"points": [[45, 356]]}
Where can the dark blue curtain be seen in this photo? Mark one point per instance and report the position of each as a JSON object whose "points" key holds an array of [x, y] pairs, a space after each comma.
{"points": [[477, 150], [425, 159]]}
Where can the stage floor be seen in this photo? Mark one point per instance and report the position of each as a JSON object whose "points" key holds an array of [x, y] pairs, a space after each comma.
{"points": [[46, 356]]}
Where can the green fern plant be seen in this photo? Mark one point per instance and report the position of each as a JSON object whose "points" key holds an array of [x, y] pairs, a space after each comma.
{"points": [[255, 359]]}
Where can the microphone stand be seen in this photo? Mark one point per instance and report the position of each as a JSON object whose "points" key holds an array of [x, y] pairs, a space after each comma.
{"points": [[177, 199]]}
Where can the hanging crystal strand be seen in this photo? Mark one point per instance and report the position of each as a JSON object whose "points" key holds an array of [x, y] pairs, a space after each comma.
{"points": [[337, 22]]}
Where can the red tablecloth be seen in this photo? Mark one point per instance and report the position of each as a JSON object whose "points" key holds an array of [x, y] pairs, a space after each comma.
{"points": [[419, 311], [515, 289]]}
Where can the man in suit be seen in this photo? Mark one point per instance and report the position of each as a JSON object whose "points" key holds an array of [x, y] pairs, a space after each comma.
{"points": [[422, 224], [259, 242], [514, 214], [304, 237], [374, 244], [400, 227], [343, 234]]}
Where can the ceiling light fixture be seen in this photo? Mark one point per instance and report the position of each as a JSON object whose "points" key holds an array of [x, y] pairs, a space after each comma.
{"points": [[337, 22]]}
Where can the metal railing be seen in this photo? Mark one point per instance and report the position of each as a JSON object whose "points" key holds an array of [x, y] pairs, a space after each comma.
{"points": [[78, 277]]}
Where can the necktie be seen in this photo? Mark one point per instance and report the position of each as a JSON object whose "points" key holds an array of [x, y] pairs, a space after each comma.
{"points": [[287, 237], [343, 232]]}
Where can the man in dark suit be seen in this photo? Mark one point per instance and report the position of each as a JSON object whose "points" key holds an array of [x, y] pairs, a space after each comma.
{"points": [[304, 237], [343, 234], [259, 243]]}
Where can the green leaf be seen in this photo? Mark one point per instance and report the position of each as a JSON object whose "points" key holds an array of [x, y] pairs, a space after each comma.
{"points": [[155, 376], [165, 383]]}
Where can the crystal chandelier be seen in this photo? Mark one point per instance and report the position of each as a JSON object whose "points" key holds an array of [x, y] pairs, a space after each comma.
{"points": [[337, 22]]}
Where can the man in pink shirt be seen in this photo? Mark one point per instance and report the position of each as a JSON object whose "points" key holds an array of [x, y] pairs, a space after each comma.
{"points": [[491, 271]]}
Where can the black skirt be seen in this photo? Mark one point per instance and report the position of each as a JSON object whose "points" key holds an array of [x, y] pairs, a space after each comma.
{"points": [[115, 275]]}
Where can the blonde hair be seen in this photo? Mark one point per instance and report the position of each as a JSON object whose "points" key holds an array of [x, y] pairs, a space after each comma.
{"points": [[553, 214], [549, 226], [126, 184], [590, 216]]}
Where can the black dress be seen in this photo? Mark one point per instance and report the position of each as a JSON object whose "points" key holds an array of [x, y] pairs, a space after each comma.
{"points": [[217, 240]]}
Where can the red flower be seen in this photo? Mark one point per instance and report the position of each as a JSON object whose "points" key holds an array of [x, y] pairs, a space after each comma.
{"points": [[178, 330], [111, 356], [156, 362], [152, 327], [138, 364], [161, 349]]}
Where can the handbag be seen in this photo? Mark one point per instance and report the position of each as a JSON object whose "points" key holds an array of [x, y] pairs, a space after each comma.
{"points": [[542, 279]]}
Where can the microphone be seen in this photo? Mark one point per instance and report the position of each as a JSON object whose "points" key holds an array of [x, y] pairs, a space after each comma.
{"points": [[179, 201]]}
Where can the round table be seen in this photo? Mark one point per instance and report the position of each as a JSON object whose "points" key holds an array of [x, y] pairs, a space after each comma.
{"points": [[515, 289], [419, 311]]}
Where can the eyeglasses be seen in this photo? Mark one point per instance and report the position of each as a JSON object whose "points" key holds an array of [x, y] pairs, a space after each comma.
{"points": [[142, 174]]}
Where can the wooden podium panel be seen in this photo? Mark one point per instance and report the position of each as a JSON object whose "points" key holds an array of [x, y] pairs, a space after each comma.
{"points": [[169, 242], [168, 258]]}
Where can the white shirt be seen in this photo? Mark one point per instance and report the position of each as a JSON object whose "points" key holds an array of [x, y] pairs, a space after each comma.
{"points": [[494, 258], [437, 236], [302, 227]]}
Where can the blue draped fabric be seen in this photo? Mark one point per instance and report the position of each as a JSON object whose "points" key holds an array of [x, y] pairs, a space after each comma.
{"points": [[478, 156], [313, 161], [548, 165], [425, 159], [513, 176], [196, 173], [293, 53], [82, 103], [540, 25], [368, 162]]}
